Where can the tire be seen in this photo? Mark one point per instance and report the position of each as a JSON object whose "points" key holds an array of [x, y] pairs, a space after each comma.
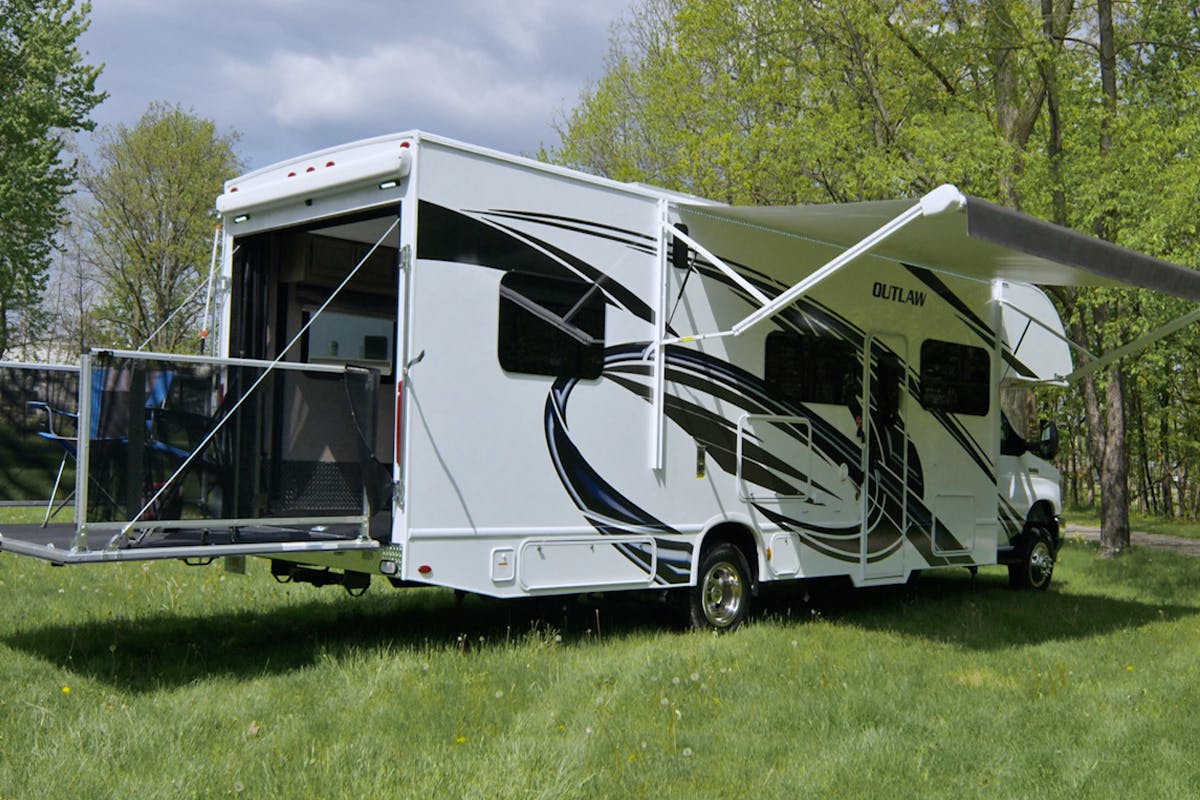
{"points": [[1036, 566], [720, 600]]}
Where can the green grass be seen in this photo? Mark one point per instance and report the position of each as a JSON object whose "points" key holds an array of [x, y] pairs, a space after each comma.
{"points": [[1139, 522], [168, 681]]}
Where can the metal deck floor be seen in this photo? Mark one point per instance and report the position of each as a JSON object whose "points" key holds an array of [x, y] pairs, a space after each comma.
{"points": [[53, 543]]}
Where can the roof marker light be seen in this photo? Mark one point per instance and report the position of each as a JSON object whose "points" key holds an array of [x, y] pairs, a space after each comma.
{"points": [[240, 218], [291, 174], [311, 169], [389, 185], [329, 163]]}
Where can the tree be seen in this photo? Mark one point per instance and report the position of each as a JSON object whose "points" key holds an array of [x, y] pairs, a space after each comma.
{"points": [[149, 223], [46, 92]]}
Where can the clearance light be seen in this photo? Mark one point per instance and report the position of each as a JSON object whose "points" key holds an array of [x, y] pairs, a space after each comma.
{"points": [[424, 569], [241, 218], [389, 185]]}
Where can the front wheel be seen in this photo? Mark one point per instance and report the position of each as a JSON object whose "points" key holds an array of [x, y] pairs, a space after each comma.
{"points": [[720, 600], [1037, 566]]}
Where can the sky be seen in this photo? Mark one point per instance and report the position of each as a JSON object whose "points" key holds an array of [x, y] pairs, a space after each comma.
{"points": [[293, 76]]}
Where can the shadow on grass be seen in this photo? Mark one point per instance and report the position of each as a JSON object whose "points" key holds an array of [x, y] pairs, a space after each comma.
{"points": [[984, 614], [150, 652]]}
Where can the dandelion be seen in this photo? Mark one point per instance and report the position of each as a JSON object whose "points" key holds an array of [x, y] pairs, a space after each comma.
{"points": [[675, 681], [62, 591], [687, 752], [678, 714], [499, 693], [558, 637], [1129, 668], [795, 643], [459, 739], [695, 676], [664, 702], [66, 690], [587, 731]]}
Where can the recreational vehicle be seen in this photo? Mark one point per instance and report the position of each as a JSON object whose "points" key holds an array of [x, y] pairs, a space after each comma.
{"points": [[435, 364]]}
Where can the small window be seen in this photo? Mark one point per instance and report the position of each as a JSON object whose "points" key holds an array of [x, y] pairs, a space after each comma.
{"points": [[955, 378], [551, 326], [811, 369]]}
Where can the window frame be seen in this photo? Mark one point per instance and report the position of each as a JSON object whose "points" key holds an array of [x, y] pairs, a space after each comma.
{"points": [[954, 360], [519, 326], [793, 385]]}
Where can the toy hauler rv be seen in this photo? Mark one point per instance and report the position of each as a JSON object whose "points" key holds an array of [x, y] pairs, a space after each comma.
{"points": [[446, 366]]}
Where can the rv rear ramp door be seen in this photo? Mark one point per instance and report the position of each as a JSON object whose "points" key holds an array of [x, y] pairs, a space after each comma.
{"points": [[57, 543], [136, 456]]}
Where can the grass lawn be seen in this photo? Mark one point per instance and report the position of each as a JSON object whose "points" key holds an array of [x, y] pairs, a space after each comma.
{"points": [[170, 681]]}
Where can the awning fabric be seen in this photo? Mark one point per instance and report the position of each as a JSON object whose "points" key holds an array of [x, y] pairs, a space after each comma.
{"points": [[983, 241]]}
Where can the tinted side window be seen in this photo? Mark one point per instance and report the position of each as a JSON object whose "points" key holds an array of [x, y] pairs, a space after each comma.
{"points": [[551, 326], [955, 378], [810, 369]]}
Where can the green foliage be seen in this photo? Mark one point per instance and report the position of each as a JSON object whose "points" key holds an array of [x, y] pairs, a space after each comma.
{"points": [[46, 92], [149, 223], [170, 681]]}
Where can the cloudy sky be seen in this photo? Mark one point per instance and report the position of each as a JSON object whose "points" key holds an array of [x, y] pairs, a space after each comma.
{"points": [[291, 76]]}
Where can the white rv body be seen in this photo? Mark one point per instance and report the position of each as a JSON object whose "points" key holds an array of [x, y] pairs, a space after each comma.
{"points": [[510, 484]]}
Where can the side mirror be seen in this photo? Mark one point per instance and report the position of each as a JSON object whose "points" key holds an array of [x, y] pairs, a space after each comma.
{"points": [[1048, 440]]}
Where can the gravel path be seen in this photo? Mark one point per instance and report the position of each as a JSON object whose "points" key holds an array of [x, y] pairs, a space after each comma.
{"points": [[1179, 544]]}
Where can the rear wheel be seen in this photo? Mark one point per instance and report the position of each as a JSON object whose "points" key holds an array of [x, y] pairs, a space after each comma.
{"points": [[720, 600], [1036, 567]]}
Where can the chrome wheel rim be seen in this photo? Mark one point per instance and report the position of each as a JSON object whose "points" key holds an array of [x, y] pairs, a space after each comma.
{"points": [[1041, 564], [722, 594]]}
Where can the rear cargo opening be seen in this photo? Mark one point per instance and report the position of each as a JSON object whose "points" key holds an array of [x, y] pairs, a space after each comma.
{"points": [[134, 456]]}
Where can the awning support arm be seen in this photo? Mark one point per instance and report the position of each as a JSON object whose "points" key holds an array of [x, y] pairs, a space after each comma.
{"points": [[730, 273], [944, 198], [1137, 345]]}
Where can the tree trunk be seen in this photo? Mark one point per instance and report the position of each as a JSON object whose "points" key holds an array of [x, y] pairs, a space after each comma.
{"points": [[1114, 474], [1114, 469], [1164, 459]]}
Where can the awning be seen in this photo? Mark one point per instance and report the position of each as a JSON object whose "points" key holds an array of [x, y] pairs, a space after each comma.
{"points": [[982, 240]]}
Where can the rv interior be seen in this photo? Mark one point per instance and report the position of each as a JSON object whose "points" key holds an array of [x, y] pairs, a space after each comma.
{"points": [[297, 282], [282, 278]]}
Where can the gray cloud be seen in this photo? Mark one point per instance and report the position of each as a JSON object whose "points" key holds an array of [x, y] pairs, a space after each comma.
{"points": [[297, 75]]}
